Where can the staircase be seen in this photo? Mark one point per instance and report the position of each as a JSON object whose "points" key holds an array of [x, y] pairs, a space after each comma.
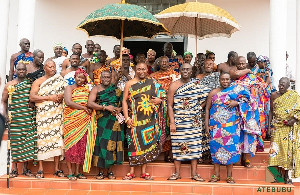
{"points": [[248, 181]]}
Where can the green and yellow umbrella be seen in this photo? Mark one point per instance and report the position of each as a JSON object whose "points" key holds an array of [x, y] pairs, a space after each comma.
{"points": [[202, 20]]}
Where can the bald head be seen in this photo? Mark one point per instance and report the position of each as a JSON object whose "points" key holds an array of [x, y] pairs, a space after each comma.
{"points": [[186, 71], [241, 63], [25, 45], [21, 70]]}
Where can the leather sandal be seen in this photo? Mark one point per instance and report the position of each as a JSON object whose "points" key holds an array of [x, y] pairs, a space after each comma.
{"points": [[111, 175], [72, 177], [147, 176], [39, 174], [214, 178], [100, 176], [174, 177], [13, 174], [128, 176], [198, 178]]}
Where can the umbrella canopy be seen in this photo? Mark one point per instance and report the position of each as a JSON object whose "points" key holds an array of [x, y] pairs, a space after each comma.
{"points": [[108, 21], [202, 20]]}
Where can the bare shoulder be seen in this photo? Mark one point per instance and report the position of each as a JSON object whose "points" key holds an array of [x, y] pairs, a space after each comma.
{"points": [[13, 56], [214, 91]]}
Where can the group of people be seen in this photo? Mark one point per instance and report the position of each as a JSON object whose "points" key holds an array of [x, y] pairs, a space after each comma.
{"points": [[85, 107]]}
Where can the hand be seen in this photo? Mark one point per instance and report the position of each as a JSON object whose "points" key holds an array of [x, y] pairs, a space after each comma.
{"points": [[291, 122], [172, 127], [118, 110], [59, 98], [31, 105], [207, 129], [110, 108], [53, 98], [88, 111], [129, 123], [232, 104], [155, 100]]}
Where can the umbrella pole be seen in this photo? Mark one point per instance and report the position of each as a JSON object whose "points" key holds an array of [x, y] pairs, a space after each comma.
{"points": [[121, 44], [196, 34]]}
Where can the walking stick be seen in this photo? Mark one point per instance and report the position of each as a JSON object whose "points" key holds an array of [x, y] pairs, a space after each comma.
{"points": [[10, 89]]}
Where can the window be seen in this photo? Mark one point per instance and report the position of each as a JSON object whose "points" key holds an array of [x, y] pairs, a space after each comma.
{"points": [[155, 6]]}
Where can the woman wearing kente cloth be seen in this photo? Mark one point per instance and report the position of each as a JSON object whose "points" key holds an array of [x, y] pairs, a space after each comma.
{"points": [[228, 115], [106, 99], [284, 149], [143, 97], [186, 97], [79, 127]]}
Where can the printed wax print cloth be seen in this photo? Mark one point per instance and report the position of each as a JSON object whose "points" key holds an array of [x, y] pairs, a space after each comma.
{"points": [[79, 130], [27, 57], [260, 94], [267, 72], [143, 137], [187, 141], [211, 81], [70, 80], [165, 79], [123, 80], [97, 73], [110, 136], [255, 69], [23, 135], [49, 119], [284, 149]]}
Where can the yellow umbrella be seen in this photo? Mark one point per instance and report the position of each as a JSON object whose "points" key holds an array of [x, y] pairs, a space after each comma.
{"points": [[202, 20]]}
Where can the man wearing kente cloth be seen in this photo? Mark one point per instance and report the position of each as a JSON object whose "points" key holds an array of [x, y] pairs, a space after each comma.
{"points": [[141, 101], [284, 149], [79, 126], [24, 55], [186, 98], [260, 94], [115, 61], [22, 127], [105, 98], [165, 76], [47, 94], [228, 114]]}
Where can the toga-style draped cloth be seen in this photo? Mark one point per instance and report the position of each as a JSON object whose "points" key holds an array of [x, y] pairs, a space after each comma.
{"points": [[189, 121], [49, 119], [110, 136], [79, 129], [284, 149], [228, 125], [23, 135], [143, 137]]}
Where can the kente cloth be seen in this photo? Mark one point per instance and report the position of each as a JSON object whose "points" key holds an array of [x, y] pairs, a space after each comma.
{"points": [[228, 123], [123, 80], [70, 80], [36, 74], [260, 94], [28, 56], [79, 130], [284, 149], [174, 64], [110, 136], [97, 73], [49, 119], [211, 81], [23, 135], [116, 64], [58, 62], [165, 79], [187, 141], [143, 137]]}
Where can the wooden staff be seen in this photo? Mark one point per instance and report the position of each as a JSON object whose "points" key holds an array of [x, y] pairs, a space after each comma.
{"points": [[10, 89]]}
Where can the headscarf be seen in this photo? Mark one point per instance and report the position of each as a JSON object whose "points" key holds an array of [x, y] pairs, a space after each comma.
{"points": [[262, 58], [186, 53], [81, 71], [65, 49], [58, 45]]}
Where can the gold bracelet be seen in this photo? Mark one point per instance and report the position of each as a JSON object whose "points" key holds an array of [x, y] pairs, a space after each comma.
{"points": [[127, 119]]}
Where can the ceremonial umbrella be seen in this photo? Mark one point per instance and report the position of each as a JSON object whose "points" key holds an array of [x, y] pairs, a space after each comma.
{"points": [[122, 21], [202, 20]]}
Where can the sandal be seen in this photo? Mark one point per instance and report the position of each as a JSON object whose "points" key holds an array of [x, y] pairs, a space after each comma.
{"points": [[288, 181], [214, 178], [174, 176], [59, 173], [100, 176], [147, 176], [13, 174], [81, 176], [27, 173], [230, 180], [128, 176], [197, 178], [111, 175], [39, 174], [72, 177], [247, 164]]}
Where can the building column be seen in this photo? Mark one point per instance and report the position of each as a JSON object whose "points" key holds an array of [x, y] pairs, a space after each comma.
{"points": [[278, 25], [297, 77], [4, 4], [26, 20]]}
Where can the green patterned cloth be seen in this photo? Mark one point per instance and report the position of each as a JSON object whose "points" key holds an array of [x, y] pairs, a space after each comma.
{"points": [[109, 141], [138, 22], [22, 128]]}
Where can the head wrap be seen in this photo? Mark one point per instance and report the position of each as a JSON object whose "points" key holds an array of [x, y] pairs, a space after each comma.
{"points": [[58, 45], [81, 71], [186, 53], [65, 49], [262, 58]]}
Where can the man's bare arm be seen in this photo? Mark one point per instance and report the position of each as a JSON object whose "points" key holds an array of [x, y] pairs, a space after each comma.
{"points": [[235, 74], [34, 97], [4, 98], [12, 67]]}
